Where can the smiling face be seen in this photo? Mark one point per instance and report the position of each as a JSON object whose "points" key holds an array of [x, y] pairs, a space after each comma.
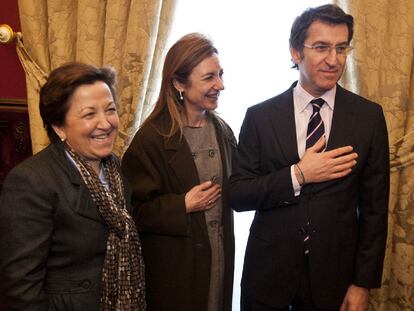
{"points": [[91, 123], [319, 72], [203, 86]]}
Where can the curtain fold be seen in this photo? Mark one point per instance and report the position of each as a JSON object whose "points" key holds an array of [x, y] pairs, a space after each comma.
{"points": [[129, 35], [35, 78], [381, 68]]}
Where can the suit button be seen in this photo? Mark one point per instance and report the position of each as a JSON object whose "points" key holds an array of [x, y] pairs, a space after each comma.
{"points": [[86, 284], [211, 153]]}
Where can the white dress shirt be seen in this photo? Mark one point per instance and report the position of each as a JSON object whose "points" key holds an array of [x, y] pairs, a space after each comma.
{"points": [[303, 111]]}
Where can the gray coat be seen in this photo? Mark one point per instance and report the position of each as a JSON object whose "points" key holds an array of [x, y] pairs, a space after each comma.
{"points": [[52, 237]]}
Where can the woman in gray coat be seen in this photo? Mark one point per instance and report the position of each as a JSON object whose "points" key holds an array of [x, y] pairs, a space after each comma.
{"points": [[67, 241], [178, 165]]}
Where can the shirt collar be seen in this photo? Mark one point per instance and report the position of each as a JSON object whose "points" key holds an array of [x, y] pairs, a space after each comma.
{"points": [[304, 98], [101, 176]]}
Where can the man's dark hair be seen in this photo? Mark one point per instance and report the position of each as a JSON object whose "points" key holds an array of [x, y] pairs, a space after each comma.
{"points": [[328, 13]]}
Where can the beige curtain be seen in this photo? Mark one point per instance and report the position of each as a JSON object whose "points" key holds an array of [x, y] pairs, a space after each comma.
{"points": [[382, 69], [129, 35]]}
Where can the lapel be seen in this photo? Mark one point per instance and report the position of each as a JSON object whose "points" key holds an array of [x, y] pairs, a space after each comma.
{"points": [[182, 165], [181, 161], [227, 145], [84, 206], [342, 124], [342, 121], [283, 122]]}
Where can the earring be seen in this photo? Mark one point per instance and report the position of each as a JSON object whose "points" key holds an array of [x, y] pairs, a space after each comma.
{"points": [[181, 95], [62, 139]]}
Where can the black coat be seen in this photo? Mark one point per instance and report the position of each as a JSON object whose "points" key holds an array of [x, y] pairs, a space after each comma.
{"points": [[52, 237], [175, 244], [348, 216]]}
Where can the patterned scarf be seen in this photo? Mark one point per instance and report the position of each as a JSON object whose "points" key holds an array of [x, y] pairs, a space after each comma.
{"points": [[123, 269]]}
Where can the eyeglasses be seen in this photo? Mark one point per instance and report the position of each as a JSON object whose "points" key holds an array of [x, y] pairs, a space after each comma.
{"points": [[341, 50]]}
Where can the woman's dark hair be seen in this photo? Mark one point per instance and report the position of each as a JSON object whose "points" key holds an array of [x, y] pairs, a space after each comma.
{"points": [[60, 86], [179, 62], [329, 14]]}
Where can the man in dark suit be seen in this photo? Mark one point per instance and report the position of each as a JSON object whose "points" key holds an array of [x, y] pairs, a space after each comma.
{"points": [[313, 163]]}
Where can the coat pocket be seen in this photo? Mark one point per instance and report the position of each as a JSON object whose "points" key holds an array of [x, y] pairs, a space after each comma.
{"points": [[73, 295], [60, 286]]}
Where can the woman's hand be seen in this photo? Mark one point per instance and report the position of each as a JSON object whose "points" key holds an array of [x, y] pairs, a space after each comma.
{"points": [[202, 197]]}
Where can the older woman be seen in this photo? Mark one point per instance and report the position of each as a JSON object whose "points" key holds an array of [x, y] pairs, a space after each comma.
{"points": [[67, 241], [178, 164]]}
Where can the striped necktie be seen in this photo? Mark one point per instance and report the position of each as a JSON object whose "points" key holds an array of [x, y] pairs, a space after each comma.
{"points": [[315, 125], [314, 133]]}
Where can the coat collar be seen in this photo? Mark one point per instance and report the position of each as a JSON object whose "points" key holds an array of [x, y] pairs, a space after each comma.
{"points": [[283, 118], [84, 204], [342, 121], [181, 161], [283, 122]]}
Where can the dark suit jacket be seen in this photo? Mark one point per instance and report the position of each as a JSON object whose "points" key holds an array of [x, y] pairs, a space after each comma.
{"points": [[176, 245], [348, 216], [52, 237]]}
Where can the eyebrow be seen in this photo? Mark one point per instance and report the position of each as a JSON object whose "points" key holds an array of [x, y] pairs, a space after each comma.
{"points": [[211, 73], [93, 108], [327, 43], [208, 73]]}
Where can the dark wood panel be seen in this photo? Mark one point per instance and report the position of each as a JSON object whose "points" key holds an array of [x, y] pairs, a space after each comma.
{"points": [[15, 145]]}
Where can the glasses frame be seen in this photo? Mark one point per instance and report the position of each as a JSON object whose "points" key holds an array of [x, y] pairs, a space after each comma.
{"points": [[326, 49]]}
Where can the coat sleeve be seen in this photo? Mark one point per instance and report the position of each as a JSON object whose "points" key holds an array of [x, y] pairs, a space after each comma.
{"points": [[251, 186], [373, 209], [156, 209], [26, 227]]}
